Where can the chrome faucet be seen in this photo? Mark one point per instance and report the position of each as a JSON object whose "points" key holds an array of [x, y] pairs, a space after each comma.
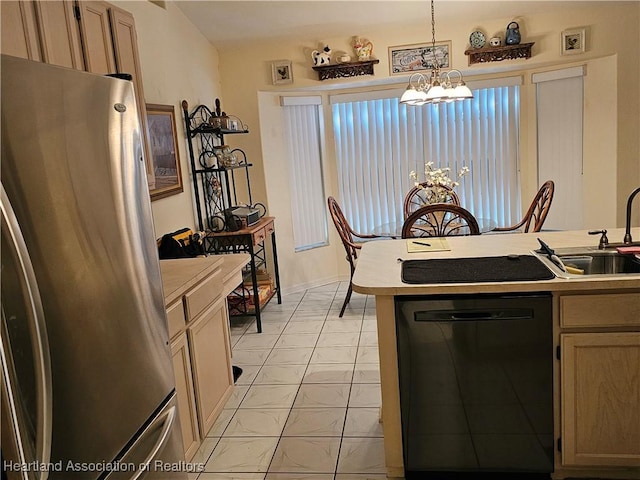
{"points": [[627, 234]]}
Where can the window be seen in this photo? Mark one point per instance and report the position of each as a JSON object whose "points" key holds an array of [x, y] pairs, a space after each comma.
{"points": [[302, 137], [379, 142]]}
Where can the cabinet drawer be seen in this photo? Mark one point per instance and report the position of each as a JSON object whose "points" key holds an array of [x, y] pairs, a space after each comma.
{"points": [[605, 310], [269, 229], [175, 318], [259, 236], [203, 295]]}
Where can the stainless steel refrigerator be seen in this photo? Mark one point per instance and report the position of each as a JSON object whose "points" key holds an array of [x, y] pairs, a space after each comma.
{"points": [[87, 379]]}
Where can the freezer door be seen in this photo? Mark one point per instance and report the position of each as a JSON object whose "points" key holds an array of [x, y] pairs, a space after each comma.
{"points": [[158, 453], [73, 170]]}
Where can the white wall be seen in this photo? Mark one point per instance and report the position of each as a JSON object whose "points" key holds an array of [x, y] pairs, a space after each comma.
{"points": [[611, 149], [177, 63]]}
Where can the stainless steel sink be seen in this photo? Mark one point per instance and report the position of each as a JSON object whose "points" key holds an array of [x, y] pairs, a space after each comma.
{"points": [[592, 261]]}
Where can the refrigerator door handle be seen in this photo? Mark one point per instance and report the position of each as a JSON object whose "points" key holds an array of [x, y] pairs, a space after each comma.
{"points": [[8, 396], [38, 332], [169, 419]]}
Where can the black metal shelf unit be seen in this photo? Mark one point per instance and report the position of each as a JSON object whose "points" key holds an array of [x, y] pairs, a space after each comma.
{"points": [[214, 184]]}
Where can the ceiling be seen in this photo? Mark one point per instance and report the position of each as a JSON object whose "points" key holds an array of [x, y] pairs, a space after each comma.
{"points": [[235, 22]]}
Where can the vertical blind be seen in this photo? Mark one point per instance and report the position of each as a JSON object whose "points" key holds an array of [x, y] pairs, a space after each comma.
{"points": [[379, 142], [560, 98], [302, 137]]}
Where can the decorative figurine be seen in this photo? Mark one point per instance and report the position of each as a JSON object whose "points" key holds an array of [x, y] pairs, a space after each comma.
{"points": [[323, 57], [363, 49]]}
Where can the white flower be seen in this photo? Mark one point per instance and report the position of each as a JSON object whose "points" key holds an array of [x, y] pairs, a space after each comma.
{"points": [[438, 182]]}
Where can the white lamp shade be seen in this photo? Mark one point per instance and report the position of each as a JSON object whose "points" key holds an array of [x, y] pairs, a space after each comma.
{"points": [[411, 96], [436, 94], [462, 92], [450, 92]]}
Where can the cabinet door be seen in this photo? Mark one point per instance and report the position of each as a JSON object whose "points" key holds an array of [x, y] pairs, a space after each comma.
{"points": [[600, 399], [123, 30], [96, 37], [210, 360], [20, 31], [59, 34], [185, 395]]}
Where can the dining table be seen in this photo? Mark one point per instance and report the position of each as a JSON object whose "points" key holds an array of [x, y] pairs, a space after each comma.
{"points": [[394, 229]]}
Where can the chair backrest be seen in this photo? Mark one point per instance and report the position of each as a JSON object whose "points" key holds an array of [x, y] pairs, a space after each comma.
{"points": [[343, 228], [440, 220], [422, 195], [539, 208]]}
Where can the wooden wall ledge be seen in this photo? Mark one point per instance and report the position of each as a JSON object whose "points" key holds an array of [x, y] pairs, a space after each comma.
{"points": [[350, 69], [496, 54]]}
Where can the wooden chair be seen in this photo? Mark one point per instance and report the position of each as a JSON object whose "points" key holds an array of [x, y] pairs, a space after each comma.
{"points": [[440, 220], [537, 213], [351, 247], [418, 197]]}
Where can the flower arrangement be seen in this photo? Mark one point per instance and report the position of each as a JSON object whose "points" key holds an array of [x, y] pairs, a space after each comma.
{"points": [[438, 183]]}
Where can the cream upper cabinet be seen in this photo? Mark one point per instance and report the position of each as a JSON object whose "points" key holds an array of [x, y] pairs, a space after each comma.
{"points": [[600, 399], [93, 36], [111, 46], [20, 31], [95, 29], [42, 31], [59, 35], [123, 29]]}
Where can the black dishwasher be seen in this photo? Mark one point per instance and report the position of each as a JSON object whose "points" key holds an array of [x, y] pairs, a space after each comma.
{"points": [[476, 384]]}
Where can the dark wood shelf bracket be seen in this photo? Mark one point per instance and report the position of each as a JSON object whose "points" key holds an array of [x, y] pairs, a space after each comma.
{"points": [[497, 54], [342, 70]]}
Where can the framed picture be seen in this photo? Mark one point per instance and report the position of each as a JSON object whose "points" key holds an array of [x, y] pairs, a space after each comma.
{"points": [[573, 41], [163, 145], [281, 72], [419, 57]]}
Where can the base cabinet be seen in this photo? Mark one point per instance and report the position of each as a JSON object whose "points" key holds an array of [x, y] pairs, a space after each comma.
{"points": [[599, 385], [185, 395], [211, 362], [198, 324], [600, 403]]}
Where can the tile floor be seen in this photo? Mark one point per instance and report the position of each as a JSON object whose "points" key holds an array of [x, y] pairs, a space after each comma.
{"points": [[307, 403]]}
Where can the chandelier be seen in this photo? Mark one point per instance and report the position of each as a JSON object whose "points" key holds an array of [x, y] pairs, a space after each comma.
{"points": [[439, 87]]}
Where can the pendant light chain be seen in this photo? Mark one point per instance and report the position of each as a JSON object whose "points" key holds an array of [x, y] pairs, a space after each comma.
{"points": [[438, 87], [433, 25], [433, 40]]}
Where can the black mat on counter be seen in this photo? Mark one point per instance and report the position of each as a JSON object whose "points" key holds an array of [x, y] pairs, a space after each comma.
{"points": [[512, 268]]}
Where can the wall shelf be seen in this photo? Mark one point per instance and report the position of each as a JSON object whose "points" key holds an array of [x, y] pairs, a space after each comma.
{"points": [[497, 54], [341, 70]]}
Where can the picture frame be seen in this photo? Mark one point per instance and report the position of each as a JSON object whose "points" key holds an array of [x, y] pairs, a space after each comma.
{"points": [[281, 72], [418, 57], [573, 41], [163, 148]]}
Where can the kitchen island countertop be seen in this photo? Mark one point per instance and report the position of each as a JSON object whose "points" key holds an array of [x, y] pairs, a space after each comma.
{"points": [[588, 302], [378, 270]]}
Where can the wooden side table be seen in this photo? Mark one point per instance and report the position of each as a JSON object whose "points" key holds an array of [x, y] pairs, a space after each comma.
{"points": [[252, 241]]}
